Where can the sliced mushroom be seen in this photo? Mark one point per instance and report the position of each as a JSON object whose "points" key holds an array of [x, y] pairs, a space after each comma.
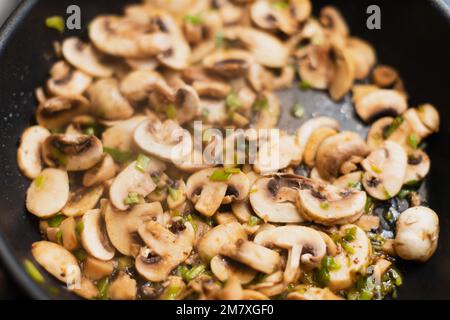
{"points": [[268, 117], [384, 76], [208, 195], [377, 132], [85, 57], [303, 244], [385, 171], [138, 85], [429, 117], [225, 268], [363, 55], [58, 261], [267, 17], [73, 152], [229, 63], [48, 193], [93, 236], [29, 152], [69, 234], [104, 170], [212, 89], [107, 101], [417, 234], [66, 81], [314, 142], [96, 269], [301, 9], [418, 166], [333, 22], [121, 135], [336, 150], [57, 112], [123, 288], [86, 289], [305, 292], [314, 67], [343, 74], [351, 180], [82, 200]]}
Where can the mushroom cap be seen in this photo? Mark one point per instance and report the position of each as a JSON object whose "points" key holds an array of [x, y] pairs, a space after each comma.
{"points": [[375, 137], [84, 57], [138, 84], [229, 63], [120, 136], [379, 103], [73, 152], [336, 150], [418, 166], [385, 170], [69, 234], [82, 200], [384, 76], [314, 67], [94, 238], [224, 268], [343, 74], [104, 170], [29, 152], [429, 116], [66, 81], [417, 234], [48, 194], [305, 292], [364, 56], [59, 262], [267, 206], [314, 142], [266, 16]]}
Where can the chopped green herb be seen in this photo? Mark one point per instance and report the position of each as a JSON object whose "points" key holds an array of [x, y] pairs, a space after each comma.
{"points": [[172, 292], [39, 182], [355, 185], [369, 205], [205, 113], [260, 104], [32, 271], [298, 111], [55, 22], [413, 140], [254, 221], [132, 198], [174, 193], [59, 235], [347, 247], [60, 157], [413, 183], [56, 220], [103, 286], [119, 156], [280, 5], [219, 40], [389, 216], [304, 85], [194, 272], [79, 227], [325, 205], [232, 102], [80, 254], [350, 234], [233, 170], [142, 163], [404, 193], [253, 190], [323, 274], [171, 111], [375, 169], [193, 19], [90, 130], [224, 174], [125, 262], [394, 126]]}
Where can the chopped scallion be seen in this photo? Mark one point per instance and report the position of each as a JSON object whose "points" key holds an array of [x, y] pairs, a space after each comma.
{"points": [[32, 271], [55, 22]]}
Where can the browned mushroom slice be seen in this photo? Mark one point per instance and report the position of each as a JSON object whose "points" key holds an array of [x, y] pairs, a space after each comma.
{"points": [[306, 292], [333, 22], [212, 89], [137, 85], [123, 288], [66, 81], [384, 76], [314, 142], [85, 57], [120, 135], [96, 269], [229, 63], [429, 116], [73, 152], [267, 17], [343, 74], [57, 112], [93, 236], [69, 234], [225, 268], [314, 67], [82, 200], [102, 171], [378, 132], [418, 166], [269, 116], [29, 152], [363, 55], [301, 9]]}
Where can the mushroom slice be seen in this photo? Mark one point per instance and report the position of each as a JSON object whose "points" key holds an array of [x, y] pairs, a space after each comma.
{"points": [[336, 150], [305, 132], [166, 140], [351, 180], [314, 142], [211, 242], [225, 268], [266, 202], [137, 85], [377, 132], [314, 67], [121, 135], [87, 289], [134, 180], [66, 81], [327, 205], [69, 234], [384, 76], [300, 9], [48, 193], [418, 166], [208, 194], [166, 249], [93, 236], [230, 63], [266, 49], [380, 102], [123, 288], [29, 152], [85, 57], [343, 74], [417, 234], [108, 102], [57, 112], [59, 262], [267, 17], [82, 200], [73, 152], [253, 255], [213, 89], [268, 117], [304, 245], [429, 116], [385, 170], [102, 171], [95, 269], [305, 292], [333, 22], [363, 55]]}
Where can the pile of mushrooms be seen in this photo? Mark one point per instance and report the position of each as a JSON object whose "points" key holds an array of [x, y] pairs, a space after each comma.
{"points": [[125, 214]]}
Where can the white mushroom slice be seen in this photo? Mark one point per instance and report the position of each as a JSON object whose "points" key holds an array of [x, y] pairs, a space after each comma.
{"points": [[208, 195], [352, 261], [58, 261], [333, 22], [94, 238], [271, 285], [304, 245], [305, 292], [121, 135], [225, 268], [314, 67], [73, 152], [147, 64], [84, 57], [300, 9], [123, 288], [29, 152], [385, 171], [418, 166], [253, 255], [363, 55], [166, 249], [377, 132], [57, 112], [82, 200], [138, 85], [350, 180], [213, 89], [314, 142], [211, 242], [96, 269], [69, 234], [307, 129], [417, 234], [86, 289], [66, 81], [412, 125], [102, 171], [328, 205], [429, 116], [266, 16], [343, 74], [268, 117], [48, 193], [336, 150], [230, 63], [265, 202], [275, 154], [379, 102], [134, 179], [266, 49]]}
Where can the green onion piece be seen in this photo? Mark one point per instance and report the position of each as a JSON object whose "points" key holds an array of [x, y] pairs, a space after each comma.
{"points": [[142, 162], [79, 227], [39, 182], [125, 262], [103, 286], [395, 274], [55, 22], [233, 170], [355, 185], [205, 113], [347, 247], [60, 157], [232, 102], [254, 220], [369, 205], [404, 193], [32, 271], [171, 111], [118, 155], [132, 198], [59, 237], [413, 183], [80, 254], [174, 194], [298, 111], [56, 220], [219, 40], [413, 140], [193, 19], [280, 5], [389, 216], [172, 293], [260, 104], [394, 126], [375, 169], [304, 85], [183, 270], [253, 190], [350, 234], [386, 193], [90, 131], [194, 272], [220, 175], [325, 205]]}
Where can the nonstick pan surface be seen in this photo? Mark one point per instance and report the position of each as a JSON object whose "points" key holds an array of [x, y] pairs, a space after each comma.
{"points": [[414, 38]]}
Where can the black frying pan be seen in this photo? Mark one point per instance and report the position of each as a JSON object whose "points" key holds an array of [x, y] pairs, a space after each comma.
{"points": [[414, 38]]}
